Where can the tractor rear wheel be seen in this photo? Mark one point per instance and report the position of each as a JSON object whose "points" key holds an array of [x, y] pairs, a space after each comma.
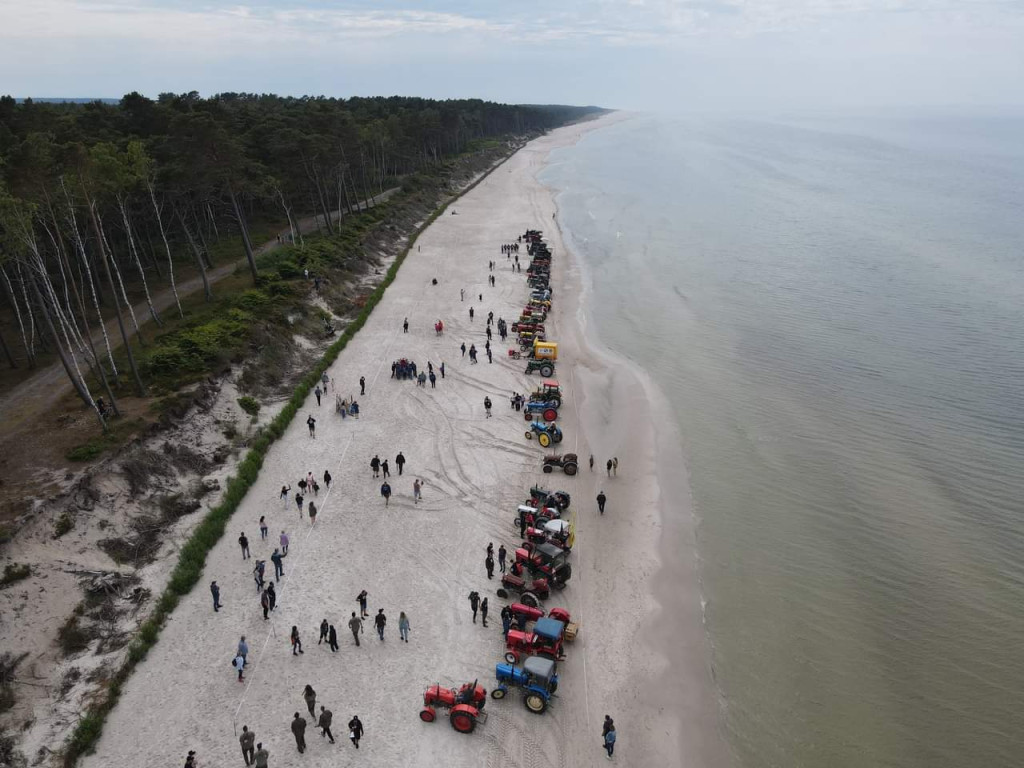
{"points": [[550, 414], [502, 593], [548, 469], [535, 703], [530, 600], [558, 437], [570, 468], [546, 370], [544, 439], [499, 692], [428, 715], [463, 722]]}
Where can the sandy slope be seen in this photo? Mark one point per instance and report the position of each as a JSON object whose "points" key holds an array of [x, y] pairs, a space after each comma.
{"points": [[424, 559]]}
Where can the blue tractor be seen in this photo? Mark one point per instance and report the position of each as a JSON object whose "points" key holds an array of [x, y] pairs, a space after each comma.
{"points": [[546, 433], [536, 677]]}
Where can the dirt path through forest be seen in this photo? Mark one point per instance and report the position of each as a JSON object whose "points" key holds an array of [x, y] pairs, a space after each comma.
{"points": [[29, 400]]}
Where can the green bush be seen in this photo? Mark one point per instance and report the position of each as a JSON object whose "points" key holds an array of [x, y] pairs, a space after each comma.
{"points": [[13, 573], [249, 404], [64, 525], [86, 452], [72, 638]]}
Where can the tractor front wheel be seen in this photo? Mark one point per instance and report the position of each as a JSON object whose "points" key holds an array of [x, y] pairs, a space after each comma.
{"points": [[558, 437], [428, 714], [463, 722], [544, 439], [499, 692], [527, 415], [511, 657], [535, 703], [570, 468], [548, 469], [529, 435]]}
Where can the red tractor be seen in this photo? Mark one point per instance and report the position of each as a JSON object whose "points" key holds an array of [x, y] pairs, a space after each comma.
{"points": [[522, 615], [530, 591], [546, 560], [556, 532], [545, 640], [463, 706]]}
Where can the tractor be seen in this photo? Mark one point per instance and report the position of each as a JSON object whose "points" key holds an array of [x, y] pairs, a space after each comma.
{"points": [[544, 640], [547, 409], [556, 532], [549, 392], [545, 559], [546, 433], [527, 325], [545, 368], [523, 614], [537, 678], [463, 706], [567, 461], [540, 497], [531, 592]]}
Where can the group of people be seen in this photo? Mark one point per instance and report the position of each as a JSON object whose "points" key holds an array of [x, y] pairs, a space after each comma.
{"points": [[255, 754]]}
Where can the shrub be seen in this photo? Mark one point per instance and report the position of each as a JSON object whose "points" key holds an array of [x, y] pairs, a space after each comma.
{"points": [[64, 525], [85, 452], [13, 573], [72, 638], [250, 405]]}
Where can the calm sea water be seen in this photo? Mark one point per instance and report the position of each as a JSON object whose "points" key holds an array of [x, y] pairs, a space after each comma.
{"points": [[835, 308]]}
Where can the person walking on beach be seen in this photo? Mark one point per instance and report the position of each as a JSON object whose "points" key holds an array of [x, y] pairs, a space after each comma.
{"points": [[609, 467], [361, 599], [362, 386], [323, 631], [296, 642], [417, 490], [615, 466], [433, 380], [463, 348], [263, 528], [502, 553], [317, 392], [243, 650], [285, 490], [355, 730], [472, 354], [215, 591], [299, 731], [609, 725], [311, 423], [462, 294], [243, 542], [483, 610], [324, 723], [324, 379], [442, 365], [601, 499], [591, 462], [403, 627], [375, 465], [312, 514], [609, 740], [384, 468], [332, 638], [310, 696], [356, 625], [327, 480], [284, 544], [239, 664], [247, 740], [272, 596], [487, 406], [262, 759], [380, 621], [276, 559], [405, 326], [399, 462], [471, 311], [265, 604], [474, 603], [489, 565], [385, 491]]}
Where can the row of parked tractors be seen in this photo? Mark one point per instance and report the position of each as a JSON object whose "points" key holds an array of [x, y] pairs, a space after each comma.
{"points": [[536, 639]]}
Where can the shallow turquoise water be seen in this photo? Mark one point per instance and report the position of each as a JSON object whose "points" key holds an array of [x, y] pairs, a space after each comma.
{"points": [[835, 309]]}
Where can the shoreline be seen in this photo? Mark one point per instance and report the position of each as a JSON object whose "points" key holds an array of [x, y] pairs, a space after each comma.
{"points": [[678, 640], [423, 558]]}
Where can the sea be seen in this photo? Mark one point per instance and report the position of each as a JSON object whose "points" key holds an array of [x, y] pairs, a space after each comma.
{"points": [[834, 307]]}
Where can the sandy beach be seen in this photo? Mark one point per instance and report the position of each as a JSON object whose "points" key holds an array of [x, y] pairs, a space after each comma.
{"points": [[641, 655]]}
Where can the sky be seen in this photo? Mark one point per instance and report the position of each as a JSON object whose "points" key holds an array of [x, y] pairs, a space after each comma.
{"points": [[652, 55]]}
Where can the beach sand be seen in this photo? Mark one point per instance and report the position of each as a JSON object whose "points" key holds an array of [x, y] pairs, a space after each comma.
{"points": [[641, 655]]}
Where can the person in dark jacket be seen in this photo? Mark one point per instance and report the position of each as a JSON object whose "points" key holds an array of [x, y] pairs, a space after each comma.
{"points": [[399, 462], [380, 621], [324, 626], [265, 604], [356, 625], [310, 696], [474, 602], [324, 723], [276, 559], [385, 491], [355, 730], [506, 621], [215, 591], [243, 542], [262, 756], [489, 565], [483, 612], [332, 638], [601, 499], [375, 466], [361, 599], [299, 731], [247, 740], [502, 553]]}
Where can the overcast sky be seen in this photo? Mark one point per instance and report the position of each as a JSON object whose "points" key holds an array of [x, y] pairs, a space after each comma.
{"points": [[665, 55]]}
